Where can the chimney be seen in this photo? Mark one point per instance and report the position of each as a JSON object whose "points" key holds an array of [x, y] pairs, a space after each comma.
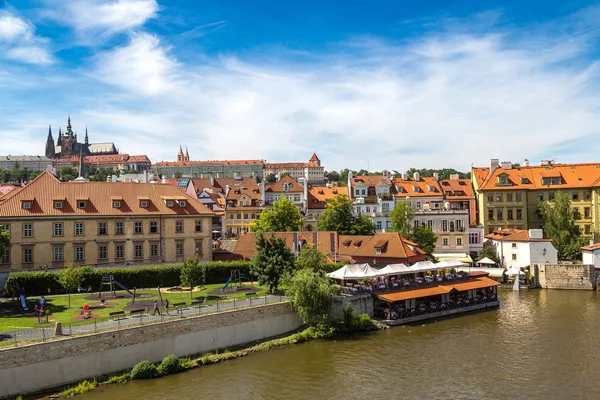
{"points": [[526, 163], [417, 177], [114, 178], [212, 181], [436, 176], [454, 177], [506, 165], [591, 242], [164, 180], [494, 164], [536, 234], [404, 176], [146, 178]]}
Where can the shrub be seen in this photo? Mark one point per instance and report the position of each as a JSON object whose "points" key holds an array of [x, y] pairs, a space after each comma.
{"points": [[37, 283], [170, 364], [143, 370], [82, 388], [118, 378], [354, 322]]}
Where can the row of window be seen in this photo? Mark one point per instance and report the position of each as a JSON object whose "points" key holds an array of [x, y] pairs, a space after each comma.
{"points": [[82, 204], [79, 252], [446, 226], [294, 197], [119, 228], [499, 197], [246, 216], [510, 214], [446, 241]]}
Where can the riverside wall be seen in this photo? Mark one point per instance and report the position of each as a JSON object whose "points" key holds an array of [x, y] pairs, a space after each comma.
{"points": [[42, 366], [362, 304], [566, 276]]}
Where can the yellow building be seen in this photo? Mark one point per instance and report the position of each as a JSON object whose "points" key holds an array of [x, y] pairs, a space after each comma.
{"points": [[52, 223], [243, 205], [508, 197]]}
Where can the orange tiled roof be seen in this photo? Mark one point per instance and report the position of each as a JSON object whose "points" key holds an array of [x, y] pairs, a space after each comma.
{"points": [[278, 186], [457, 188], [476, 283], [370, 180], [108, 158], [427, 187], [479, 173], [326, 241], [212, 162], [571, 176], [142, 158], [397, 247], [591, 247], [319, 195], [513, 235], [350, 243], [46, 187], [314, 157], [291, 165], [220, 184]]}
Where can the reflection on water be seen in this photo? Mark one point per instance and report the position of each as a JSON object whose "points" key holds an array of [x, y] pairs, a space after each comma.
{"points": [[538, 345]]}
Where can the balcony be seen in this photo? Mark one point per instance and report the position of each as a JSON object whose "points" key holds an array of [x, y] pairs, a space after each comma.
{"points": [[441, 212]]}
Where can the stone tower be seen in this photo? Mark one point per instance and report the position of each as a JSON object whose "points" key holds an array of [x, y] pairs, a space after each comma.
{"points": [[314, 160], [68, 141], [50, 144], [180, 156]]}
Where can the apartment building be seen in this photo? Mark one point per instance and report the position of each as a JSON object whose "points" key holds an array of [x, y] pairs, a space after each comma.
{"points": [[372, 196], [52, 224], [312, 171], [295, 191], [243, 205], [509, 196], [318, 196]]}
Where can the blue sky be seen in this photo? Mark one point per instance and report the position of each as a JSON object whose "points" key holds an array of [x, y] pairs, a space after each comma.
{"points": [[384, 84]]}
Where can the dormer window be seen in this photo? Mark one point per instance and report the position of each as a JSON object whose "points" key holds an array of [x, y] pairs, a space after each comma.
{"points": [[116, 203], [27, 204], [377, 250], [182, 203], [81, 204], [58, 204], [170, 203], [144, 203]]}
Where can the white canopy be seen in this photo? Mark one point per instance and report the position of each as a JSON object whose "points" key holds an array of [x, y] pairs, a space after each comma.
{"points": [[394, 269], [514, 270], [450, 263], [422, 266], [486, 260], [354, 271]]}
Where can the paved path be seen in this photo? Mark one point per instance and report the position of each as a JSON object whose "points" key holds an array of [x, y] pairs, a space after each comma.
{"points": [[142, 319]]}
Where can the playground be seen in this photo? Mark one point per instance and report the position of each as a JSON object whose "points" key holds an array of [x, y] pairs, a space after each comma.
{"points": [[24, 312]]}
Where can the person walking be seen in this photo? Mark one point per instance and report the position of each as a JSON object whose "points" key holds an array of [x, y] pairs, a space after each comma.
{"points": [[167, 306], [156, 310]]}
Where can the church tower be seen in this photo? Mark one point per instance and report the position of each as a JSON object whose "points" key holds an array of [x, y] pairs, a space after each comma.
{"points": [[59, 140], [68, 142], [180, 155], [50, 144], [187, 155]]}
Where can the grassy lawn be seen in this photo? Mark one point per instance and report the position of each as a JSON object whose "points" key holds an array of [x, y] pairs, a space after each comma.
{"points": [[59, 310]]}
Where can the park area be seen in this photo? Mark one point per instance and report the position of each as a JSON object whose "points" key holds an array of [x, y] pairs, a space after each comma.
{"points": [[88, 307]]}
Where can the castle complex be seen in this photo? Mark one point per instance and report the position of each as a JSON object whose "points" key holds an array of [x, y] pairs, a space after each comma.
{"points": [[67, 145]]}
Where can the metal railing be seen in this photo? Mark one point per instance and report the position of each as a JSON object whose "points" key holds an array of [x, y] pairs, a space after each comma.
{"points": [[24, 337]]}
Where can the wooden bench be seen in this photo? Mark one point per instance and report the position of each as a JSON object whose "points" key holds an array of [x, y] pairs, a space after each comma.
{"points": [[251, 296], [116, 315], [200, 303], [137, 311], [179, 307]]}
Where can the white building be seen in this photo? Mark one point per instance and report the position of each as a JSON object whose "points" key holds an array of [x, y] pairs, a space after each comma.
{"points": [[591, 254], [312, 170], [522, 248]]}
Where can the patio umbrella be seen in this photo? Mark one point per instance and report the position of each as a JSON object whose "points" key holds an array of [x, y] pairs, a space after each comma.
{"points": [[486, 260]]}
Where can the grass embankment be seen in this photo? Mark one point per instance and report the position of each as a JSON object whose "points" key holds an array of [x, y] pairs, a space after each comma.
{"points": [[60, 312]]}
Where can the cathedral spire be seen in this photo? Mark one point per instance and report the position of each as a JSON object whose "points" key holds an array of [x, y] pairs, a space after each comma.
{"points": [[69, 130], [86, 136], [187, 155], [59, 139], [50, 153]]}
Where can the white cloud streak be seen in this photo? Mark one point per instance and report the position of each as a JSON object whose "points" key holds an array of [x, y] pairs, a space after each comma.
{"points": [[18, 41]]}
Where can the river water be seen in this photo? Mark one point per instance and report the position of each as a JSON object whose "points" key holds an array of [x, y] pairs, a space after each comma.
{"points": [[540, 344]]}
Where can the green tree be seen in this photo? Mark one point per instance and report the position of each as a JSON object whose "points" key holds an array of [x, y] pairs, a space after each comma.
{"points": [[573, 249], [177, 175], [443, 173], [4, 175], [284, 175], [4, 241], [270, 178], [284, 217], [559, 223], [310, 293], [67, 173], [193, 273], [344, 175], [334, 176], [489, 252], [70, 279], [425, 239], [402, 216], [272, 260], [339, 216], [310, 257]]}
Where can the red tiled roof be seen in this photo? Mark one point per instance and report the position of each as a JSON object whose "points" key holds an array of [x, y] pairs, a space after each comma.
{"points": [[427, 187], [318, 196], [314, 157], [457, 189], [326, 241], [212, 162], [46, 187], [139, 159], [513, 235], [293, 186], [591, 247], [370, 180], [291, 165], [397, 247]]}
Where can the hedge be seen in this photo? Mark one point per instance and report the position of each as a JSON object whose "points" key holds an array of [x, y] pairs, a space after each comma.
{"points": [[37, 283]]}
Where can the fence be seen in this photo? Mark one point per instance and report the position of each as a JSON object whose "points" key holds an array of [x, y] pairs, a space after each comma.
{"points": [[187, 310]]}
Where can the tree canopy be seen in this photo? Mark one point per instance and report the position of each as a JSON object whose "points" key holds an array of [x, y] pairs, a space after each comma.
{"points": [[270, 178], [310, 257], [4, 241], [284, 217], [272, 260], [193, 273], [334, 176], [425, 239], [71, 278], [339, 216], [443, 173], [559, 223], [66, 173], [489, 252], [311, 294], [402, 216]]}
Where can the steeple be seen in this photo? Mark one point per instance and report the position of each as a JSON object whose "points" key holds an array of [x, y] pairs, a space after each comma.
{"points": [[180, 154], [187, 155], [50, 144], [86, 137], [69, 130], [59, 139]]}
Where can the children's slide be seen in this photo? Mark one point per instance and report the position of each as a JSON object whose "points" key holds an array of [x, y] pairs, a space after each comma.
{"points": [[226, 284], [24, 302], [122, 287]]}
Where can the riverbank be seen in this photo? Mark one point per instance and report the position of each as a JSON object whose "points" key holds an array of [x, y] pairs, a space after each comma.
{"points": [[333, 331]]}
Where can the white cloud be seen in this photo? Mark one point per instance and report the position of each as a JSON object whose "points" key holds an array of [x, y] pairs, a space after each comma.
{"points": [[18, 41], [106, 17], [142, 66]]}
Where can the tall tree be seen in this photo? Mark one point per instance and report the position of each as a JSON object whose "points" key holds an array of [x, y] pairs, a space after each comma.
{"points": [[67, 173], [489, 252], [4, 241], [70, 279], [272, 261], [193, 273], [311, 294], [339, 216], [334, 176], [270, 178], [344, 175], [310, 257], [425, 239], [402, 216], [559, 223], [284, 217]]}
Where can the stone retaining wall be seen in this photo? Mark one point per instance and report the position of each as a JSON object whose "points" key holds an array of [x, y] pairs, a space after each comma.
{"points": [[362, 304], [45, 365], [566, 276]]}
